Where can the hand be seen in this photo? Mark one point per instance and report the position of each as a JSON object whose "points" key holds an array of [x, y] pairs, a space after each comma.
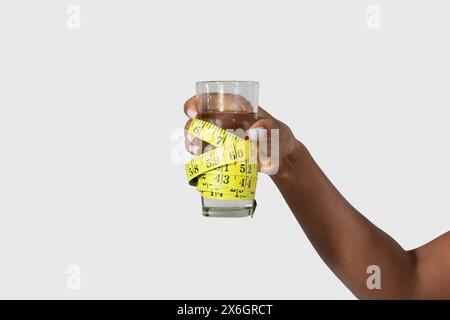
{"points": [[287, 141]]}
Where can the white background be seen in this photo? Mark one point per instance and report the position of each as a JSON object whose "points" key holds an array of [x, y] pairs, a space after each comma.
{"points": [[87, 116]]}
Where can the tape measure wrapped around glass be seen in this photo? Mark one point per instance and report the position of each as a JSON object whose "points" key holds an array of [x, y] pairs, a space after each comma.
{"points": [[227, 172]]}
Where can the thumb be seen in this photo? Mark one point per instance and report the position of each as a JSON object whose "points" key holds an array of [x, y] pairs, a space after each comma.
{"points": [[261, 125], [266, 150]]}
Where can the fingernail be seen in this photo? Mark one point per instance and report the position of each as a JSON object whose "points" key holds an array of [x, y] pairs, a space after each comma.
{"points": [[190, 137], [191, 113]]}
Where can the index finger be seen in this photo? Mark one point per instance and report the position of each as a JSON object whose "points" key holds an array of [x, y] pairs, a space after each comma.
{"points": [[191, 107]]}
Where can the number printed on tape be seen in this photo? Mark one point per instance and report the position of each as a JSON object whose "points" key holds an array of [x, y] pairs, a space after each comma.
{"points": [[225, 172]]}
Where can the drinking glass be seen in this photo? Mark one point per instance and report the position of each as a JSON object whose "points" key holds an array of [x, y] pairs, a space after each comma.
{"points": [[229, 105]]}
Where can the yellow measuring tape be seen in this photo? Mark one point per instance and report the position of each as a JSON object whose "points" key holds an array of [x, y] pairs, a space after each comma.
{"points": [[227, 172]]}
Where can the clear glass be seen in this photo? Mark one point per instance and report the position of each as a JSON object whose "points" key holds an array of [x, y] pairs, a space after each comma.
{"points": [[230, 105]]}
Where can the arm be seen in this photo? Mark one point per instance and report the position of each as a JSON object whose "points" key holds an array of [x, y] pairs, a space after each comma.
{"points": [[349, 243]]}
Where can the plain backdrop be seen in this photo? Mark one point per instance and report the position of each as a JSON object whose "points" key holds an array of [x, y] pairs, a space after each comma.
{"points": [[87, 122]]}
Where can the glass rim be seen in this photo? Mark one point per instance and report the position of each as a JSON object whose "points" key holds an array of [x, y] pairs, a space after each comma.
{"points": [[227, 82]]}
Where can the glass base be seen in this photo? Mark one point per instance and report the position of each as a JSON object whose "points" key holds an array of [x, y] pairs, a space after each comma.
{"points": [[228, 208]]}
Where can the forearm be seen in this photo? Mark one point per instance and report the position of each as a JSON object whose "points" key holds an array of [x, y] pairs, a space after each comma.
{"points": [[345, 240]]}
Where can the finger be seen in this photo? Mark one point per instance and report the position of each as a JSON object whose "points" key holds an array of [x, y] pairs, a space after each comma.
{"points": [[187, 124], [265, 123], [260, 137], [223, 102], [190, 140], [243, 104], [193, 148], [191, 107], [259, 132], [187, 135]]}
